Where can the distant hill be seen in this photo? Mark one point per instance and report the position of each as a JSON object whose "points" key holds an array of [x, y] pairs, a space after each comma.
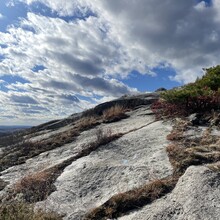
{"points": [[4, 130]]}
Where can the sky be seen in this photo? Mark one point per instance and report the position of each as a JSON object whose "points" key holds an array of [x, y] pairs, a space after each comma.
{"points": [[62, 57]]}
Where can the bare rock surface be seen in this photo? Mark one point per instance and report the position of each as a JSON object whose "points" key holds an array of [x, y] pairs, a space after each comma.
{"points": [[132, 160], [121, 165], [135, 158], [138, 118], [196, 196]]}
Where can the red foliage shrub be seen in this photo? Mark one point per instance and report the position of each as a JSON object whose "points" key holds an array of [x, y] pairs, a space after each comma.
{"points": [[163, 109]]}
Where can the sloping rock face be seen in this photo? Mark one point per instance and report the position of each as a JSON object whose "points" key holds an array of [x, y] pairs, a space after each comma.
{"points": [[196, 196], [89, 176], [121, 165], [132, 160]]}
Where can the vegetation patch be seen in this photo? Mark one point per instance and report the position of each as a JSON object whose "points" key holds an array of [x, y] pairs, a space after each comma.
{"points": [[23, 211], [113, 114], [200, 96], [19, 153], [14, 138], [38, 186], [87, 122], [123, 203], [182, 158], [185, 151], [35, 187]]}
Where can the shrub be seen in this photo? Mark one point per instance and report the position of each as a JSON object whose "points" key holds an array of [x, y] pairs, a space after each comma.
{"points": [[163, 109], [200, 96], [105, 136]]}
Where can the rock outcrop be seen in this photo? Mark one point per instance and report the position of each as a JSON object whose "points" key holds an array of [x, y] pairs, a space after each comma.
{"points": [[86, 160], [196, 196]]}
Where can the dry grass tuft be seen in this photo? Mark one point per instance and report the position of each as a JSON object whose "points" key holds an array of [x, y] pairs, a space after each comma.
{"points": [[35, 187], [214, 167], [23, 211], [113, 114], [175, 136], [181, 158], [19, 153], [87, 122], [38, 186], [102, 138], [180, 126], [128, 201], [186, 151]]}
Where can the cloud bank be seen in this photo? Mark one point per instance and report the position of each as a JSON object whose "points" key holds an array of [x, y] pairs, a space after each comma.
{"points": [[84, 49]]}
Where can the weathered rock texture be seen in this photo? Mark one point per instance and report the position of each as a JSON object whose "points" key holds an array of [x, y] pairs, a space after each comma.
{"points": [[135, 158], [196, 196], [121, 165]]}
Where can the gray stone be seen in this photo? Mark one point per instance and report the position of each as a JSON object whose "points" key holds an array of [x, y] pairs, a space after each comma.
{"points": [[196, 196], [129, 162]]}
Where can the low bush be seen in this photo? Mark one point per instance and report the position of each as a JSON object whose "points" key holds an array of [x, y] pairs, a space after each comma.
{"points": [[163, 109], [200, 96]]}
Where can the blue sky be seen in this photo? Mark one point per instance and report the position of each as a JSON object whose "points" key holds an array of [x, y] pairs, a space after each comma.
{"points": [[62, 57]]}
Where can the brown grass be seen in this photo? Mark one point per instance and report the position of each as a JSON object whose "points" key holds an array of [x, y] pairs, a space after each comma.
{"points": [[19, 153], [38, 186], [102, 138], [87, 122], [113, 114], [133, 199], [35, 187], [23, 211], [184, 151], [214, 167], [175, 136]]}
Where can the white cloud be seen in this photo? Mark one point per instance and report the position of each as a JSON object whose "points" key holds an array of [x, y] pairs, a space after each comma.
{"points": [[74, 58], [184, 35], [89, 56], [1, 16]]}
